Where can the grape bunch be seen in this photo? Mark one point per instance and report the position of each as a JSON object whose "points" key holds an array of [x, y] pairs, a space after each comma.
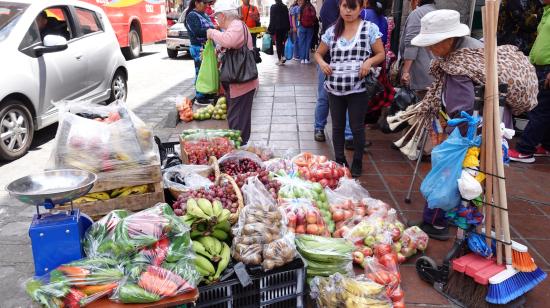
{"points": [[224, 193], [263, 175], [241, 166]]}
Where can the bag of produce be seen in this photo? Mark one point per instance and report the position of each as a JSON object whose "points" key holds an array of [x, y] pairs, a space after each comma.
{"points": [[293, 187], [76, 284], [240, 161], [198, 147], [231, 134], [386, 273], [97, 237], [346, 204], [325, 256], [260, 235], [102, 138], [264, 151], [186, 177], [412, 240], [338, 291], [327, 173], [280, 166], [303, 218]]}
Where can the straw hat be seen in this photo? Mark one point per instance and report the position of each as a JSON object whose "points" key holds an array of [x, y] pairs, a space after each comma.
{"points": [[224, 5], [439, 25]]}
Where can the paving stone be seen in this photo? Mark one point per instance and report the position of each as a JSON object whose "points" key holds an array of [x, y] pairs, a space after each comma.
{"points": [[284, 106], [284, 99], [306, 112], [283, 128], [284, 112], [263, 99], [284, 144], [260, 128], [284, 120], [286, 136], [306, 99]]}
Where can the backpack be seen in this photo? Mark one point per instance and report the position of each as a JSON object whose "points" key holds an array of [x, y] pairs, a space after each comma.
{"points": [[308, 16]]}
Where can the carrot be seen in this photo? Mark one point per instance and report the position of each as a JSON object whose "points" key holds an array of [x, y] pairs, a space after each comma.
{"points": [[90, 290], [74, 272], [157, 285]]}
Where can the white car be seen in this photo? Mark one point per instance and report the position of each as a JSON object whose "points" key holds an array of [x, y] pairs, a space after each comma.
{"points": [[177, 38], [53, 50]]}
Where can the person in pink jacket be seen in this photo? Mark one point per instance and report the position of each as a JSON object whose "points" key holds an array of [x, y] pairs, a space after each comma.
{"points": [[241, 95]]}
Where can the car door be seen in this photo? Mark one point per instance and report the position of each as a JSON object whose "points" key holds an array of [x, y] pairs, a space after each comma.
{"points": [[60, 74], [97, 50]]}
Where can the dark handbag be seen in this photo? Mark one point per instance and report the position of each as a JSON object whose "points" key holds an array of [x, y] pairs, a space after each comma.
{"points": [[404, 97], [239, 65], [374, 87]]}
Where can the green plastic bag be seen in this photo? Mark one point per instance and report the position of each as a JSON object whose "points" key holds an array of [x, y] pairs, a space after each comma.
{"points": [[208, 79]]}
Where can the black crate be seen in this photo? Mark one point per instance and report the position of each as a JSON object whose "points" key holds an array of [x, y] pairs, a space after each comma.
{"points": [[281, 287]]}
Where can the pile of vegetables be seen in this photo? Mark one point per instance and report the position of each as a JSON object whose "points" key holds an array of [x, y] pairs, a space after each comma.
{"points": [[222, 192], [325, 256], [132, 258], [185, 109], [233, 135]]}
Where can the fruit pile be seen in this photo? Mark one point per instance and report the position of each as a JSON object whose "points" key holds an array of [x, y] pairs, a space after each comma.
{"points": [[241, 166], [271, 185], [224, 193], [384, 270], [233, 135], [210, 227], [204, 113], [327, 174], [185, 109], [303, 218], [325, 256], [115, 193], [199, 150], [347, 214], [220, 110]]}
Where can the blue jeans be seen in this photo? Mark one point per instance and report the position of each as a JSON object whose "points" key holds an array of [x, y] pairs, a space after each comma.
{"points": [[195, 52], [305, 35], [321, 108], [537, 130], [296, 47]]}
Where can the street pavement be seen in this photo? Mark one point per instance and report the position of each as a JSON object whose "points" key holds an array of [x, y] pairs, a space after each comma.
{"points": [[283, 117]]}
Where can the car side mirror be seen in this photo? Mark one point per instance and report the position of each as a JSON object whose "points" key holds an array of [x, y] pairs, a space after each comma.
{"points": [[52, 43]]}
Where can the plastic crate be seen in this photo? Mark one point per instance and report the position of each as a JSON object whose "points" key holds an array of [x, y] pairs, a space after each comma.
{"points": [[282, 287]]}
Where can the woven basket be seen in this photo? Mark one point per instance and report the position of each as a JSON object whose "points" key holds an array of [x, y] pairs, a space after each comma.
{"points": [[214, 168], [226, 177]]}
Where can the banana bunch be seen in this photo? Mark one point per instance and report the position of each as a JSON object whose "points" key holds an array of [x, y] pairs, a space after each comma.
{"points": [[357, 293], [211, 257], [207, 219], [119, 192]]}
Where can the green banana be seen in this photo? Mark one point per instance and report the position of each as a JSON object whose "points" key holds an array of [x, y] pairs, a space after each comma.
{"points": [[202, 271], [220, 234], [224, 215], [217, 208], [224, 226], [188, 219], [204, 264], [193, 209], [199, 249], [196, 234], [211, 244], [205, 206], [225, 257]]}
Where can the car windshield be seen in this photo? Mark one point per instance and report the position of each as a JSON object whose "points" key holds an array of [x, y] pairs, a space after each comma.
{"points": [[10, 12]]}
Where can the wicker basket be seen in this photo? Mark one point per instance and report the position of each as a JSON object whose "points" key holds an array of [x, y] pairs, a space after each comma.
{"points": [[226, 177], [214, 167]]}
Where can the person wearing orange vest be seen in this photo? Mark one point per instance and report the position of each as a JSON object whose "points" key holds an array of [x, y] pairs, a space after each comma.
{"points": [[251, 17]]}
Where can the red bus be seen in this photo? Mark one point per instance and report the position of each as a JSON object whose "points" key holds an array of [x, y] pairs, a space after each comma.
{"points": [[135, 22]]}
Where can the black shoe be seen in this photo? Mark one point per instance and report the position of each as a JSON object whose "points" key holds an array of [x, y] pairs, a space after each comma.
{"points": [[319, 135], [342, 162], [356, 168], [437, 234], [348, 145]]}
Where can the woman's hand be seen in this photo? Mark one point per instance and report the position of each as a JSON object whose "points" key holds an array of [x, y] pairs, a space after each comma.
{"points": [[365, 69], [208, 35], [325, 68], [405, 78]]}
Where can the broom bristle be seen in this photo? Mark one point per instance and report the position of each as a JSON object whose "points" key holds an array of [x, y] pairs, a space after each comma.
{"points": [[523, 262], [460, 287], [528, 280], [477, 297]]}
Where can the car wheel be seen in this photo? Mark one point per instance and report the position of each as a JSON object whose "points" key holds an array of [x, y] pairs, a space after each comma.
{"points": [[119, 88], [16, 130], [172, 53], [134, 48]]}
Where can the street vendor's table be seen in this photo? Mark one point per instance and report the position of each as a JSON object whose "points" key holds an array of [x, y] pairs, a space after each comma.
{"points": [[166, 302]]}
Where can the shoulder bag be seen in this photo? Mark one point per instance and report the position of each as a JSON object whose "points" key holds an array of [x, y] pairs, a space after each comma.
{"points": [[239, 65]]}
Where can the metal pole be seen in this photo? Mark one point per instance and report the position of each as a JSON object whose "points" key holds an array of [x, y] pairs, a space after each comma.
{"points": [[418, 160]]}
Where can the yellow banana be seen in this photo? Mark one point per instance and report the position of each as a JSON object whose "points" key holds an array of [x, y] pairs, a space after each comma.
{"points": [[118, 191], [134, 190], [83, 200], [193, 209], [99, 195]]}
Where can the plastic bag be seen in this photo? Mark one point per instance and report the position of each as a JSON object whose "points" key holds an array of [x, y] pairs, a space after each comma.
{"points": [[239, 161], [346, 204], [338, 291], [327, 173], [260, 235], [267, 44], [184, 177], [264, 151], [289, 49], [100, 138], [388, 276], [276, 165], [468, 186], [413, 239], [303, 218], [325, 256], [231, 134], [76, 284], [440, 186], [100, 231], [208, 78]]}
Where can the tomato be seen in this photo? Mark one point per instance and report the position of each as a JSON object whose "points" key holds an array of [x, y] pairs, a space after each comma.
{"points": [[389, 260], [334, 174], [397, 295], [382, 277], [323, 182], [327, 174], [382, 249], [399, 304]]}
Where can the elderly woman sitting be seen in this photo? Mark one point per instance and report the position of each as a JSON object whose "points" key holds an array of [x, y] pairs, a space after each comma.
{"points": [[234, 36], [457, 68]]}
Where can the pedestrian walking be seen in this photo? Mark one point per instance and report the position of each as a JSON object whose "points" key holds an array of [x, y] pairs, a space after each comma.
{"points": [[197, 22], [308, 17], [294, 12], [374, 12], [517, 23], [234, 35], [355, 47], [251, 17], [415, 72], [535, 140], [279, 25]]}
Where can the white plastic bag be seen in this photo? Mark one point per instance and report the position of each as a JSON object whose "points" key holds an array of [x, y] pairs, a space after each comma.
{"points": [[468, 186]]}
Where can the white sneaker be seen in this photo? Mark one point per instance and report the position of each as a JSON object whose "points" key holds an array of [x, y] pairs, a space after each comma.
{"points": [[303, 61], [296, 59], [306, 62]]}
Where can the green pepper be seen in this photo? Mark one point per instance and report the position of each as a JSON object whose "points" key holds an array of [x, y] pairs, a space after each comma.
{"points": [[133, 294]]}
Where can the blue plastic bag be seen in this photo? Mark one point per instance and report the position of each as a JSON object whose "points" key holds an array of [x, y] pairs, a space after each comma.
{"points": [[289, 49], [267, 44], [440, 186]]}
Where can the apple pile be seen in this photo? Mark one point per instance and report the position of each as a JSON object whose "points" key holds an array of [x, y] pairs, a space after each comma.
{"points": [[327, 174], [303, 218], [412, 240], [347, 214], [199, 150]]}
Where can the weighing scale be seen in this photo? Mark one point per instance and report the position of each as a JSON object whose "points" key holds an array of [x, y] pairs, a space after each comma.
{"points": [[56, 236]]}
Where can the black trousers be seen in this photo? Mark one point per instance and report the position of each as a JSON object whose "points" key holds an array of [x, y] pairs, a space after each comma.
{"points": [[254, 39], [239, 113], [356, 105], [280, 39]]}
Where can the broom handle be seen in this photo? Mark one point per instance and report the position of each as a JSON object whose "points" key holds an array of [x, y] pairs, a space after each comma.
{"points": [[487, 138]]}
